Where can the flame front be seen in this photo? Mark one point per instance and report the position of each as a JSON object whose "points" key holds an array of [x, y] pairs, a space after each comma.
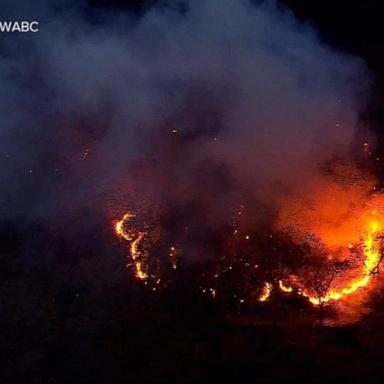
{"points": [[371, 251], [336, 225], [371, 262]]}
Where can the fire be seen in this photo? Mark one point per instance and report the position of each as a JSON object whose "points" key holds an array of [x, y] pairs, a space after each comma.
{"points": [[340, 216], [371, 251], [371, 262], [337, 223], [119, 226], [266, 292], [135, 238], [135, 254], [284, 287]]}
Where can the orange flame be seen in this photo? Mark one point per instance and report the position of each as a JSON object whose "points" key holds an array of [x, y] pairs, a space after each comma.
{"points": [[284, 287], [342, 217], [372, 259], [119, 226], [134, 243]]}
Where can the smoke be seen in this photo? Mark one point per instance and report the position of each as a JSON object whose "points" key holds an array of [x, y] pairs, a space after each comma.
{"points": [[204, 106]]}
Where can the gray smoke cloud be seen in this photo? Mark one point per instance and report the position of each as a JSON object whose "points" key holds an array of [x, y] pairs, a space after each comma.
{"points": [[216, 103]]}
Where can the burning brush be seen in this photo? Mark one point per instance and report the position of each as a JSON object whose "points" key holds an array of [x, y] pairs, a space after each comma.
{"points": [[336, 222]]}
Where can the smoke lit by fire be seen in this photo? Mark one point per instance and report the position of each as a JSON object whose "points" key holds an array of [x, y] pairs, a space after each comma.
{"points": [[338, 219]]}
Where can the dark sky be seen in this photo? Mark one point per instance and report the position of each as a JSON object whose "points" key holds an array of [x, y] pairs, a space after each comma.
{"points": [[355, 26], [352, 25]]}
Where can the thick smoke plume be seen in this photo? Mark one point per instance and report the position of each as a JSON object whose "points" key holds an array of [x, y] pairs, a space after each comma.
{"points": [[195, 108]]}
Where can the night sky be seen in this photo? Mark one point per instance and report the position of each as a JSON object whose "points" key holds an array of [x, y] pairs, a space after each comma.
{"points": [[198, 120]]}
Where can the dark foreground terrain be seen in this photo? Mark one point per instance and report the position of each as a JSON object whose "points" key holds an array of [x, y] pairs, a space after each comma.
{"points": [[185, 350]]}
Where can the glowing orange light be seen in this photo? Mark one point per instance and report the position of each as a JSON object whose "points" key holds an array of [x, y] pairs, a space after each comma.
{"points": [[135, 241], [119, 226], [266, 292], [372, 259], [284, 288]]}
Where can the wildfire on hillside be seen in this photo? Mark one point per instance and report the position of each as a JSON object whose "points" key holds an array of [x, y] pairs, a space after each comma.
{"points": [[336, 225]]}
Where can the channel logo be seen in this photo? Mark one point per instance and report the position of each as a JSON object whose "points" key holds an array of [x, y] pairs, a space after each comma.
{"points": [[19, 26]]}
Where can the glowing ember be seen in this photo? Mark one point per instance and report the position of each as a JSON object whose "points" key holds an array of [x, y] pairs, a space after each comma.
{"points": [[173, 255]]}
